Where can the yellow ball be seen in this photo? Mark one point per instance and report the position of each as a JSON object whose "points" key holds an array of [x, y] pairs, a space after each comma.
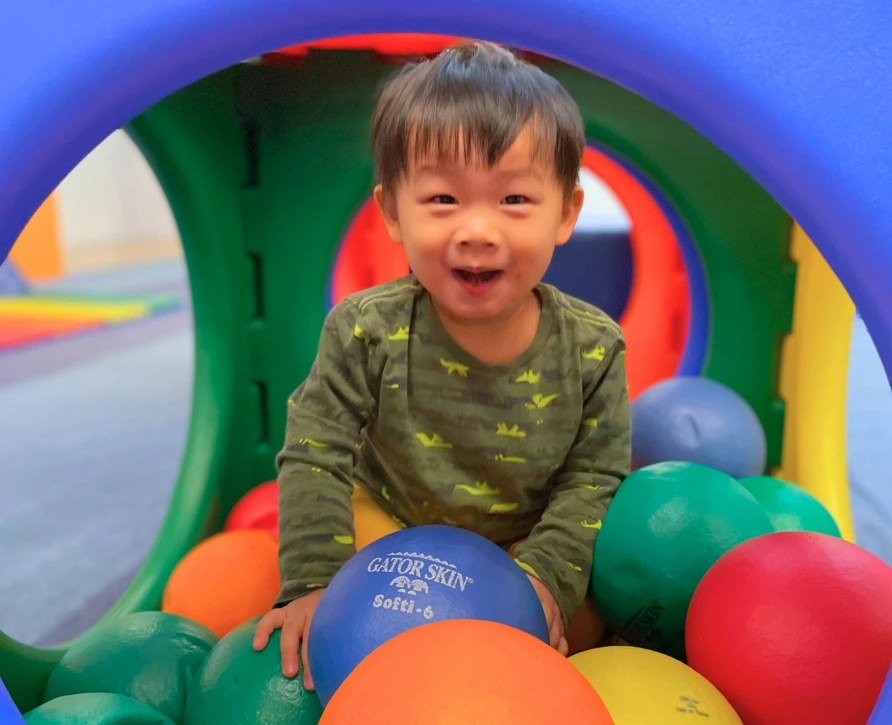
{"points": [[643, 687]]}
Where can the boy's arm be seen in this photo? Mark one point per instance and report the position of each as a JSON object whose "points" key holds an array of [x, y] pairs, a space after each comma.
{"points": [[560, 548], [326, 415]]}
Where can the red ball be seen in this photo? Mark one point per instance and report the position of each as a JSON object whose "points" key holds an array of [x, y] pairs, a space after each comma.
{"points": [[794, 627], [257, 509]]}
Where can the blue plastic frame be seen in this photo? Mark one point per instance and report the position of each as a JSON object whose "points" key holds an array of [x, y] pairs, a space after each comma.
{"points": [[796, 92]]}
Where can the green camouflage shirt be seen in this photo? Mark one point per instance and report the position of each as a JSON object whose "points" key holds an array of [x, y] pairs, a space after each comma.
{"points": [[534, 449]]}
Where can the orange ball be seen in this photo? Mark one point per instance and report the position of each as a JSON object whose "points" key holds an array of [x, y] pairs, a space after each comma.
{"points": [[226, 580], [465, 671]]}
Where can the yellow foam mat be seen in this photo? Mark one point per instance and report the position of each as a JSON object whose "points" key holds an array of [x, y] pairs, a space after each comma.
{"points": [[104, 311]]}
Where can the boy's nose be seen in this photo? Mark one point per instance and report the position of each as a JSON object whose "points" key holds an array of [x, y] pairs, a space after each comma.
{"points": [[477, 232]]}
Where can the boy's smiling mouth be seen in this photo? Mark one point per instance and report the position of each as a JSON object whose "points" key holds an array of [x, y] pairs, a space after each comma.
{"points": [[477, 281], [473, 275]]}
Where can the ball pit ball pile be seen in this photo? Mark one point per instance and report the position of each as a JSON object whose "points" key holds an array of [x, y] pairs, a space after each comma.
{"points": [[734, 595], [779, 622]]}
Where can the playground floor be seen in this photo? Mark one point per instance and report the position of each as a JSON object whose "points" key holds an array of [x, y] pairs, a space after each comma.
{"points": [[92, 431]]}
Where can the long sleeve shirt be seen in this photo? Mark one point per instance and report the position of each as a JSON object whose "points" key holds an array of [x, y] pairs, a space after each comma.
{"points": [[533, 450]]}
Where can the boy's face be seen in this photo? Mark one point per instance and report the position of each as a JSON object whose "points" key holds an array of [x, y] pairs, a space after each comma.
{"points": [[479, 239]]}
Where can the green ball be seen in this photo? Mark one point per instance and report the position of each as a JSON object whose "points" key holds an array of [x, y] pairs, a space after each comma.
{"points": [[790, 507], [667, 525], [238, 685], [95, 708], [150, 657]]}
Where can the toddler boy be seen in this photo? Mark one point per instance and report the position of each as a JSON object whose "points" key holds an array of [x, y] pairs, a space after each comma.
{"points": [[468, 393]]}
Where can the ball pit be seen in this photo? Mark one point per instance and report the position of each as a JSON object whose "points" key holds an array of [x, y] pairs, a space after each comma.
{"points": [[237, 685], [668, 523], [150, 657], [95, 708], [642, 686], [411, 577], [468, 672], [226, 580], [780, 627], [699, 420], [794, 627]]}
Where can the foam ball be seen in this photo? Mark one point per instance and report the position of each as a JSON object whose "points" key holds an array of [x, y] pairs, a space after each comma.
{"points": [[790, 507], [697, 420], [95, 709], [257, 509], [411, 577], [149, 657], [794, 627], [238, 685], [642, 686], [370, 522], [667, 524], [226, 580], [469, 672]]}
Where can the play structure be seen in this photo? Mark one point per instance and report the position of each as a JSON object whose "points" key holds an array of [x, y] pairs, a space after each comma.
{"points": [[747, 154]]}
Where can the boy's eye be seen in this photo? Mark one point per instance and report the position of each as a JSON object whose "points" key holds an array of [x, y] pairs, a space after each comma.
{"points": [[516, 199], [442, 199]]}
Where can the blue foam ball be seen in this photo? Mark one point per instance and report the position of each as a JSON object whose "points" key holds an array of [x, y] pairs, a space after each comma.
{"points": [[701, 421], [410, 578]]}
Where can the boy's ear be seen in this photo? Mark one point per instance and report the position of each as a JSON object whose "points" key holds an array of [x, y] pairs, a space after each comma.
{"points": [[387, 207], [570, 215]]}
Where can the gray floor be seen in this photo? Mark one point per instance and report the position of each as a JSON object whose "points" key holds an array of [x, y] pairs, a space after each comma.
{"points": [[92, 431]]}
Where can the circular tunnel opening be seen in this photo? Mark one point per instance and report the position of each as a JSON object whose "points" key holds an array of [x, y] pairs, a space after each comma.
{"points": [[96, 378], [265, 164]]}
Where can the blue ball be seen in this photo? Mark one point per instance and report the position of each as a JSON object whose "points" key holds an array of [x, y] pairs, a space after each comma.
{"points": [[701, 421], [415, 576]]}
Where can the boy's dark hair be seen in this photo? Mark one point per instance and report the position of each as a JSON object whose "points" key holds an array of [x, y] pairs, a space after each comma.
{"points": [[470, 103]]}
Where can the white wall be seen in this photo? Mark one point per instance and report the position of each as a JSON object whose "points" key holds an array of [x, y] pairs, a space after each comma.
{"points": [[601, 210], [113, 198]]}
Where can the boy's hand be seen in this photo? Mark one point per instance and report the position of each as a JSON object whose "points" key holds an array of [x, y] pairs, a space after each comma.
{"points": [[294, 621], [552, 616]]}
